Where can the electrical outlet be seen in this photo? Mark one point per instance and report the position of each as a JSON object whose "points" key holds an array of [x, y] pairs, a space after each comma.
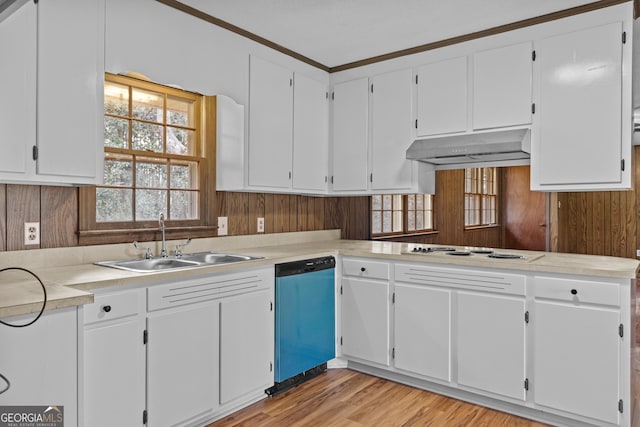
{"points": [[31, 233], [260, 225], [222, 226], [638, 253]]}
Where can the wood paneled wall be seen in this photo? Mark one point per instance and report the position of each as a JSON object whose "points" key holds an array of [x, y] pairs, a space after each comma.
{"points": [[56, 208], [600, 223]]}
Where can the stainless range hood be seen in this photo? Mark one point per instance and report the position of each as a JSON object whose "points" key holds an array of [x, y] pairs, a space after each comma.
{"points": [[503, 147]]}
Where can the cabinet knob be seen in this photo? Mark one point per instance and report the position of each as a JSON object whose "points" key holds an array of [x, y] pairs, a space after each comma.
{"points": [[363, 269], [574, 292], [106, 308]]}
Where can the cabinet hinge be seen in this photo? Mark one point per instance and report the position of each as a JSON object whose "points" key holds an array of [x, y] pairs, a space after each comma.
{"points": [[526, 317], [270, 305], [533, 55], [145, 336], [393, 298], [34, 152], [526, 384], [533, 108], [620, 406], [144, 416], [393, 353], [371, 87], [621, 330], [270, 366], [622, 164], [340, 340], [624, 37], [416, 79]]}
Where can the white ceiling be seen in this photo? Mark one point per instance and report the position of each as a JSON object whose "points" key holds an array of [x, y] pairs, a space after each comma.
{"points": [[337, 32]]}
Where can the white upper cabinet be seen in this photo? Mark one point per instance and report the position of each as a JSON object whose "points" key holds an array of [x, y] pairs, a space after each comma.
{"points": [[502, 86], [18, 101], [391, 134], [270, 124], [230, 150], [442, 97], [581, 136], [64, 59], [310, 134], [350, 135]]}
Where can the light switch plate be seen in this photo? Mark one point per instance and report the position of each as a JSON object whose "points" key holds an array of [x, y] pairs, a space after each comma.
{"points": [[260, 225], [222, 226]]}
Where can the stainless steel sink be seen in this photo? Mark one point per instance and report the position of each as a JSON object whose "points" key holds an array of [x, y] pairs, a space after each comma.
{"points": [[198, 259]]}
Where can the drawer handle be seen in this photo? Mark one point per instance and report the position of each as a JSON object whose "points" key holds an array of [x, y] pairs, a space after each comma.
{"points": [[574, 292], [106, 308], [363, 269]]}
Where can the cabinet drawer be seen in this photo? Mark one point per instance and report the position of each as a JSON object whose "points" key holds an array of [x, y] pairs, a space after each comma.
{"points": [[579, 291], [112, 306], [363, 268]]}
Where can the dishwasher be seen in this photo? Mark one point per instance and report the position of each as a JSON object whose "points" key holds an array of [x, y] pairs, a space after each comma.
{"points": [[304, 321]]}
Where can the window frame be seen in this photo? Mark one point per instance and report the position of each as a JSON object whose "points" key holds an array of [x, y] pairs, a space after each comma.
{"points": [[93, 232], [481, 195], [405, 217]]}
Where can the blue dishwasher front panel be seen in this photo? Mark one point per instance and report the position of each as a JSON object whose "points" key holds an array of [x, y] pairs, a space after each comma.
{"points": [[305, 322]]}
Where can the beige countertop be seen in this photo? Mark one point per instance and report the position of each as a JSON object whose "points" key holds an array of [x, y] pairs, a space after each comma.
{"points": [[69, 285]]}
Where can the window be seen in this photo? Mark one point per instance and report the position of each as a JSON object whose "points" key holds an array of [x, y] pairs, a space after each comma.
{"points": [[401, 214], [480, 197], [154, 158]]}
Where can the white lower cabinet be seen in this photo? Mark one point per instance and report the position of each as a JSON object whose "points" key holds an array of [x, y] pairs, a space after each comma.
{"points": [[41, 362], [365, 320], [577, 349], [182, 360], [114, 359], [365, 311], [422, 330], [491, 343], [191, 350], [553, 348], [246, 345]]}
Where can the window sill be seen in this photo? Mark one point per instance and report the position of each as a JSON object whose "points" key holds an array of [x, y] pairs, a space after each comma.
{"points": [[101, 237], [395, 236], [481, 227]]}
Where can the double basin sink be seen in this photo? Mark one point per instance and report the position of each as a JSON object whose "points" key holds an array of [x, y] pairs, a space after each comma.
{"points": [[198, 259]]}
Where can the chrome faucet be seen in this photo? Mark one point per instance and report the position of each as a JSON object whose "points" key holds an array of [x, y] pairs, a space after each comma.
{"points": [[163, 251]]}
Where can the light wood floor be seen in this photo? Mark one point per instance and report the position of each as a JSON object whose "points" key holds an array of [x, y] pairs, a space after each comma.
{"points": [[341, 397]]}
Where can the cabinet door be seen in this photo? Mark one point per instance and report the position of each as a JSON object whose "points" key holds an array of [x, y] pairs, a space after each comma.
{"points": [[18, 89], [365, 320], [41, 362], [246, 345], [491, 343], [114, 357], [310, 134], [502, 86], [576, 359], [350, 135], [182, 364], [70, 78], [391, 130], [270, 124], [577, 138], [422, 330], [442, 97]]}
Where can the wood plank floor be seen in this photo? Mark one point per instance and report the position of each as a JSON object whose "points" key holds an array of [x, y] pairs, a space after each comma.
{"points": [[342, 397]]}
